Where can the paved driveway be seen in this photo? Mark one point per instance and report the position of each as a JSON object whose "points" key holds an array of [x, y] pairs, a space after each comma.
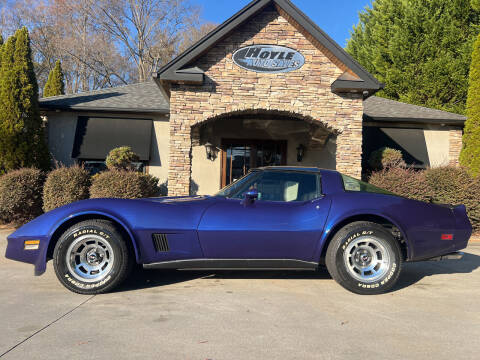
{"points": [[434, 313]]}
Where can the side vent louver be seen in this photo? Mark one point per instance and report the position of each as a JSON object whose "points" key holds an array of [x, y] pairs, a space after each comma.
{"points": [[160, 242]]}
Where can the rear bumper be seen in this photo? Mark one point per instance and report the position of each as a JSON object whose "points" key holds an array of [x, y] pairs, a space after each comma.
{"points": [[457, 255]]}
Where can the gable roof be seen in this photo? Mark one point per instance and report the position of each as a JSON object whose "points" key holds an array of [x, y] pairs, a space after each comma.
{"points": [[140, 97], [177, 69], [385, 110]]}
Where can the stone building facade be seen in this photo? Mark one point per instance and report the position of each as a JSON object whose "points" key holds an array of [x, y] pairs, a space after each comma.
{"points": [[305, 94], [266, 88]]}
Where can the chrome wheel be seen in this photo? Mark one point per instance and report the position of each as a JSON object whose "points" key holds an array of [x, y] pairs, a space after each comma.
{"points": [[89, 258], [366, 259]]}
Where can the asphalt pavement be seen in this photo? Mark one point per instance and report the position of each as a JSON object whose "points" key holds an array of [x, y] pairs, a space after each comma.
{"points": [[433, 313]]}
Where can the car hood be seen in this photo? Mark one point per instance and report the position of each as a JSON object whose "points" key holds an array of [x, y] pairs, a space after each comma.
{"points": [[183, 212]]}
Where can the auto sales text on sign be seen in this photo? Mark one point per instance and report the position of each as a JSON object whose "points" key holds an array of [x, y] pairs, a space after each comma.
{"points": [[268, 59]]}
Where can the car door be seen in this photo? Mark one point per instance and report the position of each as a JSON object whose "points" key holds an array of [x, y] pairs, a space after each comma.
{"points": [[285, 222]]}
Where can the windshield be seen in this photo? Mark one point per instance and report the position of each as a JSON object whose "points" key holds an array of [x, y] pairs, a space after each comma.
{"points": [[239, 187]]}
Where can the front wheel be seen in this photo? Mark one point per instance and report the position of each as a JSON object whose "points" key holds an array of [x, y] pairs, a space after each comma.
{"points": [[92, 257], [364, 258]]}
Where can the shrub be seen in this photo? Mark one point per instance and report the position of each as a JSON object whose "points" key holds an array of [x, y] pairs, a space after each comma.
{"points": [[121, 158], [124, 185], [449, 185], [446, 183], [452, 185], [385, 158], [21, 195], [64, 186], [403, 181]]}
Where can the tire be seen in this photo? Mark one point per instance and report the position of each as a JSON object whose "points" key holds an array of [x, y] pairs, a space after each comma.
{"points": [[364, 258], [92, 257]]}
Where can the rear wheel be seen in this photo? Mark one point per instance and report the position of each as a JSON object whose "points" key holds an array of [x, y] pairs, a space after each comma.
{"points": [[92, 257], [364, 258]]}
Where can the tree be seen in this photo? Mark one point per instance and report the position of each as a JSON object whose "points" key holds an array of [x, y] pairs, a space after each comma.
{"points": [[420, 49], [55, 85], [148, 30], [475, 4], [103, 43], [22, 140], [1, 49], [470, 155], [188, 38], [63, 30]]}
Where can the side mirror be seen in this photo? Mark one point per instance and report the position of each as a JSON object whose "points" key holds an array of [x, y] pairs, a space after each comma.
{"points": [[251, 195]]}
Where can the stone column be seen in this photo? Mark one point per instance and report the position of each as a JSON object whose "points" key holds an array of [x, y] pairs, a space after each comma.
{"points": [[350, 139], [179, 171], [455, 147], [349, 153]]}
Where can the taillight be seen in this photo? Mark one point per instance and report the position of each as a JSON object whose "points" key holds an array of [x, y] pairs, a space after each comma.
{"points": [[447, 236]]}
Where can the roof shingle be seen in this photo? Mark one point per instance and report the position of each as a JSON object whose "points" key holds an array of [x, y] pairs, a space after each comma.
{"points": [[147, 97], [140, 97], [381, 109]]}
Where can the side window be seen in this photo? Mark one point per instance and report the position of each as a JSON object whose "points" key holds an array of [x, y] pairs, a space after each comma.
{"points": [[351, 184], [288, 186]]}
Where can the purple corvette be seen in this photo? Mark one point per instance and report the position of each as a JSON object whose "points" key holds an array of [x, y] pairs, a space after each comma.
{"points": [[273, 218]]}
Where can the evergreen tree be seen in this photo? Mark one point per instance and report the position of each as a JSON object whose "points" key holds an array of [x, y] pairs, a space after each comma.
{"points": [[470, 156], [420, 49], [1, 49], [476, 4], [22, 140], [55, 85]]}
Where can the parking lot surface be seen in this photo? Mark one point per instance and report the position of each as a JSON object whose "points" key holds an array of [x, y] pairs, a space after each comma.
{"points": [[433, 313]]}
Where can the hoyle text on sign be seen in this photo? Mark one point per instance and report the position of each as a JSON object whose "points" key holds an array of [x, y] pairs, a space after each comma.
{"points": [[268, 59]]}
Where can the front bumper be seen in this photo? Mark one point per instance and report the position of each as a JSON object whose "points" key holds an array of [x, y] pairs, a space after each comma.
{"points": [[16, 251]]}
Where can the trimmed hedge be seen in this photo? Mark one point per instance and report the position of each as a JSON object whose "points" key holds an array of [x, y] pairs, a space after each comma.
{"points": [[403, 181], [123, 185], [385, 158], [65, 185], [456, 186], [121, 158], [21, 195], [449, 185]]}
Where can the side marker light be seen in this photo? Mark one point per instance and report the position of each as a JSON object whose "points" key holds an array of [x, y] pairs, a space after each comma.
{"points": [[31, 245]]}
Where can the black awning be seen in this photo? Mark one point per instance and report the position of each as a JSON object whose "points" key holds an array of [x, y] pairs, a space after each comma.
{"points": [[411, 142], [96, 136]]}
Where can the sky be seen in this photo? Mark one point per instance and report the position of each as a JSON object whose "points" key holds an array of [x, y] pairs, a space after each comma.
{"points": [[335, 17]]}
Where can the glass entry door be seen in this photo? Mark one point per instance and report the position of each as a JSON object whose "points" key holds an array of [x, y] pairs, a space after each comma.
{"points": [[239, 156]]}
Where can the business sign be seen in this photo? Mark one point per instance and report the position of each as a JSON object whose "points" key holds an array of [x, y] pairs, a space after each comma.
{"points": [[268, 59]]}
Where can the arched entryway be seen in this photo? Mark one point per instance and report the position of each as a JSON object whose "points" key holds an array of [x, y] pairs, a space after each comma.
{"points": [[227, 146]]}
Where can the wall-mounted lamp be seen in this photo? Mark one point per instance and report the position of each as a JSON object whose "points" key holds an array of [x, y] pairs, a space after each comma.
{"points": [[300, 152], [211, 151]]}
